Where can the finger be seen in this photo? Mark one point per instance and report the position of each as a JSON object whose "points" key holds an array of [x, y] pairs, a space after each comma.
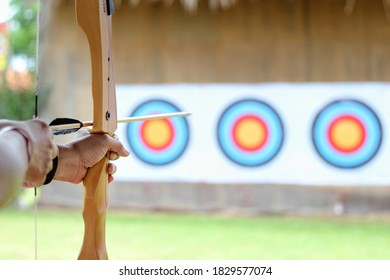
{"points": [[112, 156], [47, 167], [115, 137], [40, 183], [110, 178], [34, 183], [111, 169], [28, 185], [55, 152], [117, 147]]}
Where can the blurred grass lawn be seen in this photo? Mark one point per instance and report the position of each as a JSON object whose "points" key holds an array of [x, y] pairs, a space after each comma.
{"points": [[182, 236]]}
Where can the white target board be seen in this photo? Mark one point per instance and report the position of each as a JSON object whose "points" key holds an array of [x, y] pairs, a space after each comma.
{"points": [[287, 133]]}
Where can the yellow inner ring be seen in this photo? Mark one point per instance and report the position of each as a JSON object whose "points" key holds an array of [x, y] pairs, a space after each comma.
{"points": [[250, 133], [347, 134], [157, 133]]}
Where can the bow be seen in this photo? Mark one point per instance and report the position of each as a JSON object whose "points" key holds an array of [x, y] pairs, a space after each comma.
{"points": [[94, 17]]}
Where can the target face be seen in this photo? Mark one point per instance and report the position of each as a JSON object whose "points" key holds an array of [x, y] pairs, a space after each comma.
{"points": [[158, 142], [250, 133], [347, 134]]}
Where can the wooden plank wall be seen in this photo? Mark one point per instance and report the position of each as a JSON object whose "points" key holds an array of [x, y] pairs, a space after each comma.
{"points": [[254, 41]]}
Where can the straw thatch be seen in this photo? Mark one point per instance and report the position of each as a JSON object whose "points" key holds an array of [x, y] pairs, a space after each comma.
{"points": [[189, 5], [192, 5]]}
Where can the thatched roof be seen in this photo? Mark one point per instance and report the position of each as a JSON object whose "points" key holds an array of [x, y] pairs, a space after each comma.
{"points": [[350, 5], [189, 5], [192, 5]]}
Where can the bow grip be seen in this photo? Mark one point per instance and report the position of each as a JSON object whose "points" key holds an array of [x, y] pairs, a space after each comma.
{"points": [[94, 212]]}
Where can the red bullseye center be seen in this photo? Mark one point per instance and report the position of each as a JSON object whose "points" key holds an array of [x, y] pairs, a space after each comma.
{"points": [[346, 134], [157, 134], [249, 133]]}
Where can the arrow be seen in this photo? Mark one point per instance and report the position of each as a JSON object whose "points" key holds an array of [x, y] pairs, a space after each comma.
{"points": [[62, 126]]}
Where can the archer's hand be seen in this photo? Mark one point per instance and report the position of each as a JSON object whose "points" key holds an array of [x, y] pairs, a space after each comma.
{"points": [[26, 153], [84, 152], [40, 150]]}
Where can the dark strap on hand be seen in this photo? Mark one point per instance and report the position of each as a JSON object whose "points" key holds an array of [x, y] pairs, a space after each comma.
{"points": [[50, 175]]}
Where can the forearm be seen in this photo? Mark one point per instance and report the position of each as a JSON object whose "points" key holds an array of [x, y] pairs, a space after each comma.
{"points": [[13, 163]]}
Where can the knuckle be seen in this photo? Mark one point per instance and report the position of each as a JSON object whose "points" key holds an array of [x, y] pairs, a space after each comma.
{"points": [[41, 123]]}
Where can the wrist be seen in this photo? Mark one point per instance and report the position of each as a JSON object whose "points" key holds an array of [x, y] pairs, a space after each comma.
{"points": [[8, 127], [66, 164]]}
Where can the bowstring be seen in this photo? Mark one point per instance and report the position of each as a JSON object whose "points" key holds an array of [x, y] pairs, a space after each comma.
{"points": [[36, 116]]}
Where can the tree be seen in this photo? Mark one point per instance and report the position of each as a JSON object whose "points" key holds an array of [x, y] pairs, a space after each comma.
{"points": [[24, 30], [16, 96]]}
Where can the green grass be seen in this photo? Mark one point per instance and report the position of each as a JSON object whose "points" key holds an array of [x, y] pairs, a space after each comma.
{"points": [[176, 236]]}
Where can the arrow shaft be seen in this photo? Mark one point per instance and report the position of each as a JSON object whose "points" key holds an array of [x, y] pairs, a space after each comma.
{"points": [[124, 120]]}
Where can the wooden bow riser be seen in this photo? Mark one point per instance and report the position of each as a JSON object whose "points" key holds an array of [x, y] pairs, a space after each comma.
{"points": [[94, 18]]}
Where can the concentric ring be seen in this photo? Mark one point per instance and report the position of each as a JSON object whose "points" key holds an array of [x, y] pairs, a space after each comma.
{"points": [[158, 142], [250, 133], [347, 133]]}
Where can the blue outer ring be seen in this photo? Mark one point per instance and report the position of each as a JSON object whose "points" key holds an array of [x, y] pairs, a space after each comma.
{"points": [[268, 115], [362, 112], [173, 151]]}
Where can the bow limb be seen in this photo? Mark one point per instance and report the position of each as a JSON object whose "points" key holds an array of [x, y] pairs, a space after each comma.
{"points": [[94, 17]]}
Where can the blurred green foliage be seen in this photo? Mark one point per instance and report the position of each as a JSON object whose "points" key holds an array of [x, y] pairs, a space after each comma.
{"points": [[24, 30], [17, 102]]}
